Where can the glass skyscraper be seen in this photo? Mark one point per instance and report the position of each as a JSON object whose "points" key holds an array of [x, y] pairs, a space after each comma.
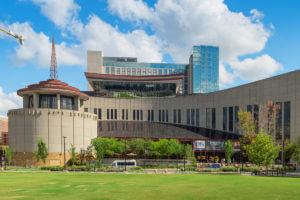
{"points": [[204, 69]]}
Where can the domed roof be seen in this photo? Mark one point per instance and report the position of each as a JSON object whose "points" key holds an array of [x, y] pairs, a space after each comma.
{"points": [[52, 86]]}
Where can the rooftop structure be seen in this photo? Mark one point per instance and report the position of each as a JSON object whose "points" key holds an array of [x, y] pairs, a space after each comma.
{"points": [[200, 75]]}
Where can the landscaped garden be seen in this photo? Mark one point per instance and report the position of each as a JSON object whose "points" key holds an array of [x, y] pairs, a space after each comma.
{"points": [[145, 186]]}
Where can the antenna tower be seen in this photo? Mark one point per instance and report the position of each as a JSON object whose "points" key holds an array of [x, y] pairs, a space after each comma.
{"points": [[53, 66]]}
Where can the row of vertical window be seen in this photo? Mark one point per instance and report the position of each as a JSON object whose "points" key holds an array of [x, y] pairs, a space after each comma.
{"points": [[137, 114], [177, 116], [139, 71], [163, 115]]}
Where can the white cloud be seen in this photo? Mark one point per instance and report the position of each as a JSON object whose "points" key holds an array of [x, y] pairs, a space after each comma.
{"points": [[133, 10], [60, 12], [37, 49], [225, 76], [184, 23], [177, 26], [258, 68], [9, 101], [256, 15], [98, 35]]}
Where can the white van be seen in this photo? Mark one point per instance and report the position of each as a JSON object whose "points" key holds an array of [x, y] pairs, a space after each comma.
{"points": [[122, 163]]}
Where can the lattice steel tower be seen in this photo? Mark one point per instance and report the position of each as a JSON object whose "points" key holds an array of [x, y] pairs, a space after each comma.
{"points": [[53, 67]]}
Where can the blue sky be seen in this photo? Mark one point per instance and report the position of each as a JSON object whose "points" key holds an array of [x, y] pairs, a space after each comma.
{"points": [[257, 38]]}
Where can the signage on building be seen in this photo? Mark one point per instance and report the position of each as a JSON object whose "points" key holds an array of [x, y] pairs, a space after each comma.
{"points": [[214, 145], [199, 145]]}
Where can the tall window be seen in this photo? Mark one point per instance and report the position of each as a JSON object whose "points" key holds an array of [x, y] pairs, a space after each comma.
{"points": [[116, 114], [197, 117], [99, 114], [149, 115], [137, 115], [163, 115], [159, 115], [174, 116], [208, 115], [179, 116], [230, 118], [236, 118], [126, 114], [48, 101], [287, 120], [193, 116], [95, 111], [188, 114], [167, 116], [224, 118], [112, 113], [152, 115], [30, 101], [141, 114], [107, 114], [279, 122], [123, 114], [133, 114], [213, 118]]}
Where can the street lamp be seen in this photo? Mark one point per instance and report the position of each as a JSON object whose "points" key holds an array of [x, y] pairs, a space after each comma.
{"points": [[64, 150], [19, 37], [125, 155]]}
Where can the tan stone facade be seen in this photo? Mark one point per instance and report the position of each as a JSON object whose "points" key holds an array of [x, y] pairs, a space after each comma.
{"points": [[28, 159], [283, 89]]}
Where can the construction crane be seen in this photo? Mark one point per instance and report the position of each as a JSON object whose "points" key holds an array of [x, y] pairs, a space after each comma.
{"points": [[19, 37]]}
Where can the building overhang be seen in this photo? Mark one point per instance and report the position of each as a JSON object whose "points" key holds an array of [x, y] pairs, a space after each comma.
{"points": [[173, 78]]}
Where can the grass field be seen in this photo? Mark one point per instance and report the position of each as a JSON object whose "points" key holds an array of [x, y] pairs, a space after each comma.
{"points": [[145, 186]]}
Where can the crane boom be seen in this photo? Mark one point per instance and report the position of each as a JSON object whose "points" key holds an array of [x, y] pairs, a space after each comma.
{"points": [[19, 37]]}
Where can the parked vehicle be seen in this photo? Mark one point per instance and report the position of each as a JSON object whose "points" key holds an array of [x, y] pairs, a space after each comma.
{"points": [[122, 163]]}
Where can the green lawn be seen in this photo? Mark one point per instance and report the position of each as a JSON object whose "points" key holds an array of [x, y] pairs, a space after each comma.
{"points": [[145, 186]]}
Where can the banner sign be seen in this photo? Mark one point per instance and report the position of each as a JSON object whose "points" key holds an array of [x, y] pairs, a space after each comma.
{"points": [[214, 145], [210, 145], [199, 145]]}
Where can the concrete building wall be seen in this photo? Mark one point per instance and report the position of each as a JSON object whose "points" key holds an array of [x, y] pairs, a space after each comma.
{"points": [[28, 125], [282, 88]]}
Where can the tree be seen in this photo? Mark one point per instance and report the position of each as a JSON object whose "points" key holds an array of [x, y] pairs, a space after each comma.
{"points": [[289, 151], [42, 152], [137, 146], [296, 155], [262, 150], [73, 153], [229, 151], [8, 154]]}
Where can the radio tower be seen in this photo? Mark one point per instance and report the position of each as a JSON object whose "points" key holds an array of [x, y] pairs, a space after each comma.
{"points": [[53, 67]]}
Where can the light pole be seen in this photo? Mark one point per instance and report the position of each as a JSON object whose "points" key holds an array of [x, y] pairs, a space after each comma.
{"points": [[19, 37], [64, 150], [125, 156], [184, 157]]}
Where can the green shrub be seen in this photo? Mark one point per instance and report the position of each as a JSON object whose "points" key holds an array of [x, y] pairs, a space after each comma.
{"points": [[172, 166], [79, 168], [52, 168], [228, 169], [251, 169]]}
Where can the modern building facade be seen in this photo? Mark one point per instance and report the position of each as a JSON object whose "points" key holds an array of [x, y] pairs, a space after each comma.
{"points": [[201, 74], [125, 101]]}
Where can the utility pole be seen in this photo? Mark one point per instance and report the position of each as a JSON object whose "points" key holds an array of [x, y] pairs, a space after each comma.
{"points": [[64, 150], [184, 157], [19, 37], [125, 156]]}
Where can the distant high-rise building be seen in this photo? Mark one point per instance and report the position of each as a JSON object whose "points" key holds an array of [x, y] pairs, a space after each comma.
{"points": [[203, 70], [200, 75]]}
